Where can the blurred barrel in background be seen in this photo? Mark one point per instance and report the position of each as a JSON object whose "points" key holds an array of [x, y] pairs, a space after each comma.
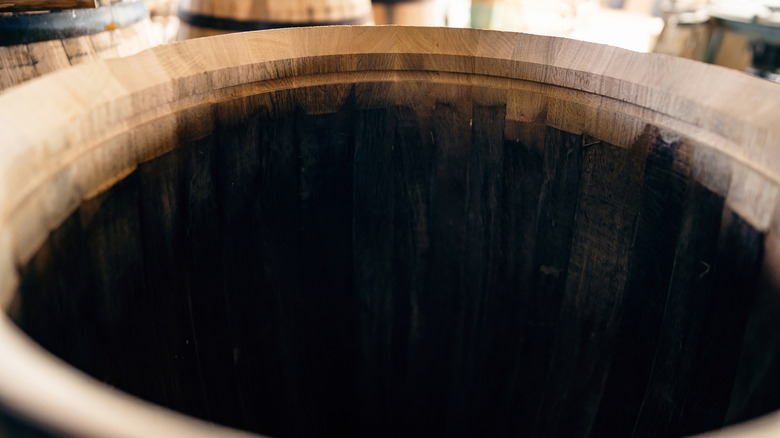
{"points": [[213, 17], [746, 37], [686, 32], [726, 33], [651, 7], [164, 19], [409, 12], [485, 13], [32, 44]]}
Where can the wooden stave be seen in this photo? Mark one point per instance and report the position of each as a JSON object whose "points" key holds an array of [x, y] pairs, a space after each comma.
{"points": [[566, 73]]}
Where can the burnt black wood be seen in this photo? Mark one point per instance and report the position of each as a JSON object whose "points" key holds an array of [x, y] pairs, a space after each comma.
{"points": [[163, 203], [472, 383], [380, 362], [325, 259], [756, 382], [419, 268], [651, 263], [674, 365], [584, 347], [542, 171], [739, 248]]}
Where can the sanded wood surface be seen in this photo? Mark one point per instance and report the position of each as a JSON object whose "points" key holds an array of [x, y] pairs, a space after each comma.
{"points": [[44, 5], [364, 231]]}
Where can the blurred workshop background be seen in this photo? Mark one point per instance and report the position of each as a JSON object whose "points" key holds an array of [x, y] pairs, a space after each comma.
{"points": [[740, 34]]}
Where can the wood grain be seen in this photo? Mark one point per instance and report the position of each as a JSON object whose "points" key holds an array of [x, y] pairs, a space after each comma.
{"points": [[386, 231]]}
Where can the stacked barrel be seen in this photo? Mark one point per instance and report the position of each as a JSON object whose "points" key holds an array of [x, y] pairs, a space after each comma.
{"points": [[37, 42], [213, 17], [409, 12]]}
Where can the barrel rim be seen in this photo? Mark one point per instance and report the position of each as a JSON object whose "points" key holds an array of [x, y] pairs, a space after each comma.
{"points": [[30, 28]]}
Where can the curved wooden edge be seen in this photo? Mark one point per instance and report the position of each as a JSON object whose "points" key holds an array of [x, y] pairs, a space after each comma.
{"points": [[118, 113]]}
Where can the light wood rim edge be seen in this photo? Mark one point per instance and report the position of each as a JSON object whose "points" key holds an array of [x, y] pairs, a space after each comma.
{"points": [[730, 107]]}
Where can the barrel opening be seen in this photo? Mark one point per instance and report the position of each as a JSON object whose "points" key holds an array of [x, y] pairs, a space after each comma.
{"points": [[437, 265]]}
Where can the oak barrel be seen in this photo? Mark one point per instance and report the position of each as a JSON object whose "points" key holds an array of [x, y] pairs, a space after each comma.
{"points": [[34, 43], [201, 18], [409, 12], [386, 231]]}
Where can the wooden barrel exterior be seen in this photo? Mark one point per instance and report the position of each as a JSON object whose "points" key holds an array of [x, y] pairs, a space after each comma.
{"points": [[201, 18], [417, 231], [33, 44], [685, 34], [409, 12]]}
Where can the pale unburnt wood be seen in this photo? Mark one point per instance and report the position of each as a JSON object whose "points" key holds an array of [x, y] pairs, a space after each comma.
{"points": [[45, 5], [614, 142]]}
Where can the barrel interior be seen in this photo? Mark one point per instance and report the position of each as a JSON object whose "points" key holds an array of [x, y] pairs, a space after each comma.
{"points": [[415, 258]]}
